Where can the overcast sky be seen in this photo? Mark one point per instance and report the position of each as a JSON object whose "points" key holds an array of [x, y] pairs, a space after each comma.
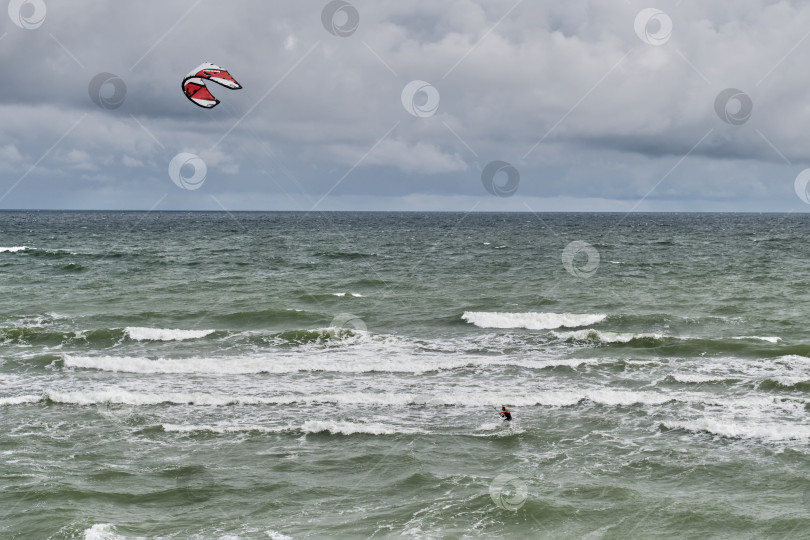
{"points": [[588, 105]]}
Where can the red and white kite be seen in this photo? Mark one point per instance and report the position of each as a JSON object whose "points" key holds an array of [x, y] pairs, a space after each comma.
{"points": [[194, 84]]}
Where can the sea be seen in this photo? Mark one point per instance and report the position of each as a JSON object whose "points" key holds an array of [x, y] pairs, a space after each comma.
{"points": [[339, 375]]}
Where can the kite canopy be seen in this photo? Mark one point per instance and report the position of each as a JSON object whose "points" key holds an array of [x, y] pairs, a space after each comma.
{"points": [[194, 84]]}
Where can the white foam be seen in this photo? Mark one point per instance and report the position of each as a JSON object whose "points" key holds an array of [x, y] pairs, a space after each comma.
{"points": [[531, 320], [789, 367], [793, 359], [498, 429], [269, 363], [787, 380], [627, 397], [102, 531], [275, 535], [738, 430], [19, 400], [769, 339], [140, 333], [464, 399], [151, 398], [757, 404], [490, 399], [234, 428], [13, 249], [461, 399], [351, 428], [603, 337]]}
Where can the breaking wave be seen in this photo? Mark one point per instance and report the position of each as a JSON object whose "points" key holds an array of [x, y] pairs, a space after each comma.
{"points": [[531, 320], [139, 333]]}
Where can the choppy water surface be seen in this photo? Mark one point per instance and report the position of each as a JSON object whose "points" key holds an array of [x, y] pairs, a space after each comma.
{"points": [[336, 375]]}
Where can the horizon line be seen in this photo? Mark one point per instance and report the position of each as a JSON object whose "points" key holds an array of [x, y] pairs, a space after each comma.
{"points": [[177, 211]]}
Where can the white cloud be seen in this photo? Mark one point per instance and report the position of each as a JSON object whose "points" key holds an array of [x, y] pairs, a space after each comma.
{"points": [[418, 157], [131, 162], [78, 160], [10, 154]]}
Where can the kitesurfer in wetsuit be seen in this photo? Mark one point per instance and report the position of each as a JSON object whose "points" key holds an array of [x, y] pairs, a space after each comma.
{"points": [[505, 414]]}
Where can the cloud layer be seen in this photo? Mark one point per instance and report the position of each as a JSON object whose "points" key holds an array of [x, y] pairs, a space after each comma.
{"points": [[606, 106]]}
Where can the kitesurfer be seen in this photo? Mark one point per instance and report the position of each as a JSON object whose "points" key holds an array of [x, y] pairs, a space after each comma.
{"points": [[505, 414]]}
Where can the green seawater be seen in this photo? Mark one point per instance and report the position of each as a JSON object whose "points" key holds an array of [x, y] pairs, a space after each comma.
{"points": [[337, 375]]}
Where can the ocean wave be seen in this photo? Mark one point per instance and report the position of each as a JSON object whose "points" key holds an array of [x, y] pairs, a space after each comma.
{"points": [[598, 336], [458, 399], [26, 335], [262, 318], [269, 363], [140, 333], [769, 339], [693, 378], [13, 249], [348, 255], [107, 337], [124, 397], [321, 336], [39, 335], [309, 427], [530, 320], [627, 397], [47, 253], [735, 430], [19, 400], [556, 398], [234, 428], [73, 267], [463, 399], [351, 428], [786, 383]]}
